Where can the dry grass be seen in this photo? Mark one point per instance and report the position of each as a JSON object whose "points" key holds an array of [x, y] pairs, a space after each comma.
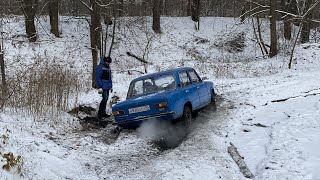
{"points": [[41, 89]]}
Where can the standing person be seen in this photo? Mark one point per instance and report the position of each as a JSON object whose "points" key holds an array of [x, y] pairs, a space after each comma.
{"points": [[104, 83]]}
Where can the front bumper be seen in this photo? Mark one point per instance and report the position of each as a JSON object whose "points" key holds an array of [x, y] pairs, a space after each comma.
{"points": [[138, 120]]}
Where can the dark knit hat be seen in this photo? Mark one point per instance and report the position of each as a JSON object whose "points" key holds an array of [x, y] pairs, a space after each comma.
{"points": [[107, 59]]}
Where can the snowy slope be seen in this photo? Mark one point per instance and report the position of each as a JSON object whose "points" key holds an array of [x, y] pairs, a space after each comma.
{"points": [[278, 140]]}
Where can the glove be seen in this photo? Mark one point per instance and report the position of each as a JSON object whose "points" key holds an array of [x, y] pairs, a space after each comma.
{"points": [[100, 90]]}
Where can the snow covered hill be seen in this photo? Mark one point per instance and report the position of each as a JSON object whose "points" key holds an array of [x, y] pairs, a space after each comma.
{"points": [[270, 113]]}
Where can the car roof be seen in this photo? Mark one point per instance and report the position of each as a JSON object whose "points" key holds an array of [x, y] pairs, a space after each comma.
{"points": [[171, 71]]}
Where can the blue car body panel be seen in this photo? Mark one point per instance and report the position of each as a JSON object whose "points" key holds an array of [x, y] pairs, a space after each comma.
{"points": [[142, 107]]}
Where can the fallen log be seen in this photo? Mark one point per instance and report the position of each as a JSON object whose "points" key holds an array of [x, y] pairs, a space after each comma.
{"points": [[138, 58], [232, 150], [281, 100]]}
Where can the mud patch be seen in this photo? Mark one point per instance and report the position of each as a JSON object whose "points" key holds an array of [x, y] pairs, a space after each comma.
{"points": [[162, 135], [167, 143], [110, 134], [165, 136], [90, 122], [88, 119]]}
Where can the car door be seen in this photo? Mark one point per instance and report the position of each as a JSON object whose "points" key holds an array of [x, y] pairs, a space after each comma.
{"points": [[201, 87], [189, 90]]}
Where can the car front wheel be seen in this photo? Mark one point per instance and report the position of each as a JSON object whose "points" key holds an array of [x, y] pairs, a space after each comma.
{"points": [[187, 116], [213, 100]]}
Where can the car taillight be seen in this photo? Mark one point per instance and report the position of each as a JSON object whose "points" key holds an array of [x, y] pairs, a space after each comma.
{"points": [[117, 113], [160, 105]]}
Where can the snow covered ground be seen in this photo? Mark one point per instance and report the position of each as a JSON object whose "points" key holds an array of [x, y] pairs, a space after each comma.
{"points": [[271, 114]]}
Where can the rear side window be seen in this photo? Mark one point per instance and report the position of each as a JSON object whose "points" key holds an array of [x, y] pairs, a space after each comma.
{"points": [[138, 88], [184, 79], [194, 77]]}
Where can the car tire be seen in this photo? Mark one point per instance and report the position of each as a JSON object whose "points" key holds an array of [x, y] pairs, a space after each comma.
{"points": [[213, 100], [187, 116]]}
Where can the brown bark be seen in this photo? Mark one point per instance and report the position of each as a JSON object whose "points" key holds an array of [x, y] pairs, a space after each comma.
{"points": [[287, 27], [233, 151], [305, 31], [259, 36], [29, 9], [189, 8], [120, 8], [54, 16], [3, 74], [195, 10], [113, 30], [94, 38], [156, 16], [291, 7], [273, 29]]}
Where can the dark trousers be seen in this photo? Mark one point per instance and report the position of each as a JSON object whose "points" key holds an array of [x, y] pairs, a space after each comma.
{"points": [[103, 103]]}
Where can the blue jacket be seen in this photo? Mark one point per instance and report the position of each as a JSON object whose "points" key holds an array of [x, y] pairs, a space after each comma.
{"points": [[103, 76]]}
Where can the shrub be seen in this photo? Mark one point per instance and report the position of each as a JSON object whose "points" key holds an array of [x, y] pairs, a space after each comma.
{"points": [[41, 89]]}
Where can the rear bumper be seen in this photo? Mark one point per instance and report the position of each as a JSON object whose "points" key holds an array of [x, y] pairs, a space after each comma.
{"points": [[138, 120]]}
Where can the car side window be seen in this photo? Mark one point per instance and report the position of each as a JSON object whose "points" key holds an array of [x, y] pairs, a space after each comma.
{"points": [[138, 88], [194, 77], [184, 79]]}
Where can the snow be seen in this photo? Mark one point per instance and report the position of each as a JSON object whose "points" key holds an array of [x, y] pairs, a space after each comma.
{"points": [[278, 140]]}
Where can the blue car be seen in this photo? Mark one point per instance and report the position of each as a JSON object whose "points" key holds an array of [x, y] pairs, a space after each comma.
{"points": [[165, 96]]}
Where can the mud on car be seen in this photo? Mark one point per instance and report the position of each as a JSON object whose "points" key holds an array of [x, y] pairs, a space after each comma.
{"points": [[164, 96]]}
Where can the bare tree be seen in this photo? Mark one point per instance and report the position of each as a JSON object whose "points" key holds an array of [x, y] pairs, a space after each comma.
{"points": [[189, 8], [273, 28], [314, 5], [305, 31], [113, 29], [120, 8], [290, 6], [29, 9], [2, 67], [94, 37], [98, 39], [156, 16], [257, 33], [195, 10], [54, 16]]}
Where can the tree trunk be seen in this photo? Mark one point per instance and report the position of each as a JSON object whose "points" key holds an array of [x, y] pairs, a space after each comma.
{"points": [[156, 16], [54, 16], [287, 27], [94, 38], [273, 28], [120, 9], [195, 10], [3, 74], [261, 42], [286, 20], [189, 8], [291, 7], [243, 11], [29, 9], [305, 31], [113, 29]]}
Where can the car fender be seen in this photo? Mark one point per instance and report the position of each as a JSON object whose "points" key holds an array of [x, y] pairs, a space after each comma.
{"points": [[209, 85], [177, 104]]}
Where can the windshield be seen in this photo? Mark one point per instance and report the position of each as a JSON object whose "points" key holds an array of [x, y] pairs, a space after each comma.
{"points": [[151, 85]]}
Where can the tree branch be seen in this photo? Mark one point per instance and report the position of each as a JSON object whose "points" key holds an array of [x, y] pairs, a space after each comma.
{"points": [[86, 5]]}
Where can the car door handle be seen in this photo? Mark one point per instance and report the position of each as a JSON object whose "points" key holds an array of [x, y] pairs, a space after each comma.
{"points": [[187, 91], [198, 87]]}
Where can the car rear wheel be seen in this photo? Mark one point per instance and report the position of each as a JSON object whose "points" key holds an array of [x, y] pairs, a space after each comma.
{"points": [[187, 116], [213, 100]]}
